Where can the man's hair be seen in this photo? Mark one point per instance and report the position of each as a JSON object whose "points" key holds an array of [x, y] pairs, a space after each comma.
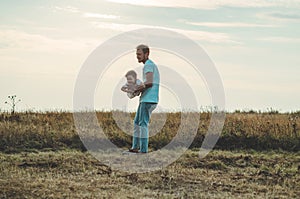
{"points": [[131, 72], [144, 48]]}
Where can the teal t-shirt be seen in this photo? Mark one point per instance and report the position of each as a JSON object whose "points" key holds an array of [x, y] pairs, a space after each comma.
{"points": [[151, 94]]}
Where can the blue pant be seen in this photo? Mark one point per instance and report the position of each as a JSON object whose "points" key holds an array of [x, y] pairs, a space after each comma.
{"points": [[141, 122]]}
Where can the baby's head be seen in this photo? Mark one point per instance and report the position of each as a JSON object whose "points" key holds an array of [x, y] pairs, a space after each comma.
{"points": [[131, 77]]}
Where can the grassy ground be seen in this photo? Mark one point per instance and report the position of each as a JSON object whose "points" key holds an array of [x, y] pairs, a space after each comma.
{"points": [[257, 156], [56, 130], [221, 174]]}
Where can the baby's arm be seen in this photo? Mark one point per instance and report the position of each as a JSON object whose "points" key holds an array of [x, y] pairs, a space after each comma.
{"points": [[128, 88], [124, 88]]}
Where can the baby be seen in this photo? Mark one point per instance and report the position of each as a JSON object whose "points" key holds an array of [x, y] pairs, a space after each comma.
{"points": [[132, 83]]}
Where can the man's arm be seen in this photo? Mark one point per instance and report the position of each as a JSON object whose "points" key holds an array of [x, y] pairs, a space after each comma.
{"points": [[147, 84]]}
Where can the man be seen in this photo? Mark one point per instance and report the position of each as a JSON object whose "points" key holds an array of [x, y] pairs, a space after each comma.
{"points": [[148, 100]]}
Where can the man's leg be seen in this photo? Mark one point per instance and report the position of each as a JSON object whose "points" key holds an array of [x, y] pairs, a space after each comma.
{"points": [[136, 130], [145, 113]]}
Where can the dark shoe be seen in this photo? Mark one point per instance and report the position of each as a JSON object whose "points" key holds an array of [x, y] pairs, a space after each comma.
{"points": [[133, 150]]}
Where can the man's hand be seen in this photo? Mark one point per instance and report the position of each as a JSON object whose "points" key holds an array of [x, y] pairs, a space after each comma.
{"points": [[147, 84], [139, 88]]}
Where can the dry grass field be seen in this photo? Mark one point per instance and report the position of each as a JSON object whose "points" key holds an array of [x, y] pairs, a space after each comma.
{"points": [[257, 156], [221, 174]]}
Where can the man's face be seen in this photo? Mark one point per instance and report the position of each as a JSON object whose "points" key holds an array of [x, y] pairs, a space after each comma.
{"points": [[141, 56], [130, 79]]}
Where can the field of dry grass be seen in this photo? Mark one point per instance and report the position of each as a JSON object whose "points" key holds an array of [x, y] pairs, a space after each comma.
{"points": [[56, 130], [221, 174], [257, 156]]}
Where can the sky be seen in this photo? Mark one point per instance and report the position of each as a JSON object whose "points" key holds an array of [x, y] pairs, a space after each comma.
{"points": [[254, 46]]}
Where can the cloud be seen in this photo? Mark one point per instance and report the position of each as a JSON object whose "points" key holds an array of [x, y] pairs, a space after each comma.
{"points": [[66, 9], [280, 39], [228, 25], [285, 16], [212, 37], [100, 16], [206, 4], [71, 9], [280, 16], [11, 39]]}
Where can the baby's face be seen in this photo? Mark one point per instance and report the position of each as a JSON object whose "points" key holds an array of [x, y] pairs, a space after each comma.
{"points": [[130, 79]]}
